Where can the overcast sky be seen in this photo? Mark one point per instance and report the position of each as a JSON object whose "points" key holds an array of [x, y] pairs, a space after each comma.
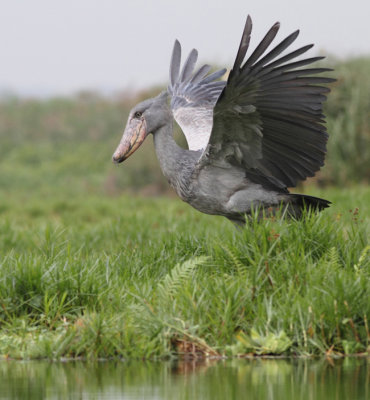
{"points": [[51, 47]]}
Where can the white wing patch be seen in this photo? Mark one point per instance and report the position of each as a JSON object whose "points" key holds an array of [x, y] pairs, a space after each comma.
{"points": [[196, 123]]}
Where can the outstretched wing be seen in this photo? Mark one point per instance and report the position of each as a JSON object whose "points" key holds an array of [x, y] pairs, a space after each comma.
{"points": [[194, 96], [269, 118]]}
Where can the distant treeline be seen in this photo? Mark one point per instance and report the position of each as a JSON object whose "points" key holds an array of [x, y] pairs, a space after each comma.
{"points": [[67, 143]]}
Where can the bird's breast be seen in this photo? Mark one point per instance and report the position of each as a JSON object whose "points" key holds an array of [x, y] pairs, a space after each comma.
{"points": [[213, 187]]}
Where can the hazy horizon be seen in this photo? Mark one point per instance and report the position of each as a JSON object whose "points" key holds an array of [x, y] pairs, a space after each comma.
{"points": [[51, 49]]}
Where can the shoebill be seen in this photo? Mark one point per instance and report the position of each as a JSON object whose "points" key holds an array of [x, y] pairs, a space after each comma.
{"points": [[249, 137]]}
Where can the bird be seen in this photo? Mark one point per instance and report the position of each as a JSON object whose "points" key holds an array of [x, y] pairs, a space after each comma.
{"points": [[250, 137]]}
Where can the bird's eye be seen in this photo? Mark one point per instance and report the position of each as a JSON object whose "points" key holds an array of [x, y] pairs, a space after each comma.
{"points": [[138, 114]]}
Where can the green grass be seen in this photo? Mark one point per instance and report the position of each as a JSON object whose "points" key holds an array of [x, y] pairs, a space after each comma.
{"points": [[89, 269], [97, 276]]}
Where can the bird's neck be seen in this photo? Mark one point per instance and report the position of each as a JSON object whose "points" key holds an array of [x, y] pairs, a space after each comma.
{"points": [[169, 153]]}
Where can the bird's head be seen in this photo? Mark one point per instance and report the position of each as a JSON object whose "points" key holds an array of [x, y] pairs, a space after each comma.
{"points": [[146, 117]]}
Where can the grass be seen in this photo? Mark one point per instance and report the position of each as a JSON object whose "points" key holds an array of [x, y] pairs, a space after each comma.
{"points": [[88, 268], [97, 276]]}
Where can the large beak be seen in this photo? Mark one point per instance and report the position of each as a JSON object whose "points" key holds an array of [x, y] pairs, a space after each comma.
{"points": [[132, 138]]}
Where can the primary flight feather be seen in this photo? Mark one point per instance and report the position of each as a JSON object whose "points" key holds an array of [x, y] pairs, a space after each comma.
{"points": [[250, 137]]}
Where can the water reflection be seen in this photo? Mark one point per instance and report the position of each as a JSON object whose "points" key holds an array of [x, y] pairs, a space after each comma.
{"points": [[228, 379]]}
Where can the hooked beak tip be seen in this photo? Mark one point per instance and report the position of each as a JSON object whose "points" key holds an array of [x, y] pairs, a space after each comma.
{"points": [[117, 159]]}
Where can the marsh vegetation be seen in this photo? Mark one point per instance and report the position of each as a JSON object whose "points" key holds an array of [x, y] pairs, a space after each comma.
{"points": [[93, 263]]}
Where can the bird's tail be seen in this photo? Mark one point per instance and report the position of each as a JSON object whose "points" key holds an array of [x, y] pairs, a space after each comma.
{"points": [[300, 202]]}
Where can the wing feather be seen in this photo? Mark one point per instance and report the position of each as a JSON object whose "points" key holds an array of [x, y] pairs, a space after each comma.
{"points": [[212, 77], [268, 118], [291, 55], [175, 63], [193, 96], [188, 67], [262, 47], [200, 74], [278, 49], [244, 44]]}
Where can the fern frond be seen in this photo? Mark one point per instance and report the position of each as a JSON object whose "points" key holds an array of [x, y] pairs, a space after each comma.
{"points": [[239, 266], [175, 279], [332, 257], [361, 264]]}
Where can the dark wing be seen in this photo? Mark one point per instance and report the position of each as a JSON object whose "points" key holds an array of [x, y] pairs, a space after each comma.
{"points": [[269, 118], [193, 97]]}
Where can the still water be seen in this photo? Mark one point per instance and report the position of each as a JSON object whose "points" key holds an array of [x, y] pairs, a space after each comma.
{"points": [[347, 379]]}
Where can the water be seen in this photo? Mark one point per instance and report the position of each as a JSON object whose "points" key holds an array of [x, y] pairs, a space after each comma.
{"points": [[230, 379]]}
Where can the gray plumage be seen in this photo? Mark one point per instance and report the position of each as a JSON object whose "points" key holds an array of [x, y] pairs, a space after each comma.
{"points": [[249, 138]]}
